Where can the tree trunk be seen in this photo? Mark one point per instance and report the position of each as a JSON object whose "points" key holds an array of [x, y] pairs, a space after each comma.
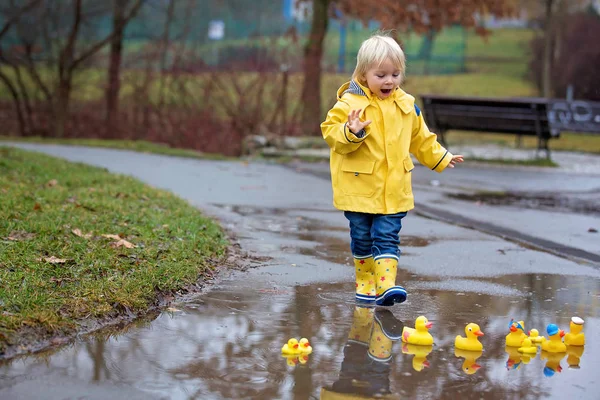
{"points": [[547, 69], [61, 107], [114, 69], [313, 53]]}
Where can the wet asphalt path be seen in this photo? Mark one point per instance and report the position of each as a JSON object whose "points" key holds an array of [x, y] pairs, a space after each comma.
{"points": [[226, 343]]}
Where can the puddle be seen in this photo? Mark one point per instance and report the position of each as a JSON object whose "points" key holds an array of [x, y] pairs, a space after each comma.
{"points": [[581, 203]]}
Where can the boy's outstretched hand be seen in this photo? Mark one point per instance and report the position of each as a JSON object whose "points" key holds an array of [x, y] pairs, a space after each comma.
{"points": [[354, 123], [456, 160]]}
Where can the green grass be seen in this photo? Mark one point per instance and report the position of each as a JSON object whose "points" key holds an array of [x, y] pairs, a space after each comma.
{"points": [[133, 145], [43, 200]]}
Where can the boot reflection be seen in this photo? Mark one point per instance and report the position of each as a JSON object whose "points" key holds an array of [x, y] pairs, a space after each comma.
{"points": [[574, 356], [553, 362], [365, 370], [420, 353], [470, 365]]}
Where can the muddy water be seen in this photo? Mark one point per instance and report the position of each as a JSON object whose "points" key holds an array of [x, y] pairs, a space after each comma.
{"points": [[226, 343]]}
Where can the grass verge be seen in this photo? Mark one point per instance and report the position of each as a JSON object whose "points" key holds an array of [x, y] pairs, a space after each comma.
{"points": [[133, 145], [78, 244]]}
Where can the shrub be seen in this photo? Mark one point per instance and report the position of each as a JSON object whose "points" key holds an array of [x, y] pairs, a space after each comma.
{"points": [[576, 56]]}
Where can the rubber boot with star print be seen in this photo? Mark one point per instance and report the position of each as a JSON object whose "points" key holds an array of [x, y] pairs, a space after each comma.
{"points": [[365, 279], [387, 293]]}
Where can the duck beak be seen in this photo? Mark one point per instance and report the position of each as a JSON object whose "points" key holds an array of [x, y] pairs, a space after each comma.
{"points": [[478, 333], [428, 325], [426, 364], [562, 333], [513, 329], [296, 346], [475, 366], [306, 344]]}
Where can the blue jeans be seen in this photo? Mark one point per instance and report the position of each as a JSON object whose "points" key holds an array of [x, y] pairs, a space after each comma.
{"points": [[375, 234]]}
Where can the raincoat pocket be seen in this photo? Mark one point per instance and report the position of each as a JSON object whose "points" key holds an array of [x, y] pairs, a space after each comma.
{"points": [[357, 177], [408, 167]]}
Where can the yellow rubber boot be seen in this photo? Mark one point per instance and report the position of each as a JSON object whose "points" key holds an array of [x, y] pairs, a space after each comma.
{"points": [[387, 292], [362, 325], [365, 279]]}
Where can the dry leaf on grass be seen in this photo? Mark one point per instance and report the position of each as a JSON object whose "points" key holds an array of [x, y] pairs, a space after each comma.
{"points": [[54, 260], [37, 207], [77, 232], [52, 182], [110, 236], [20, 235], [122, 243]]}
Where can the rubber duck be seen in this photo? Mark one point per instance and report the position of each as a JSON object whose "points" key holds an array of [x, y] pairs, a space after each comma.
{"points": [[554, 344], [574, 354], [575, 337], [470, 365], [553, 363], [527, 347], [419, 334], [304, 346], [517, 333], [514, 358], [291, 347], [535, 337], [471, 342], [420, 353]]}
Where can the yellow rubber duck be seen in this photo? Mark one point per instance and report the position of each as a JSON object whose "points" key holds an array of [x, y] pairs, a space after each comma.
{"points": [[527, 347], [575, 337], [470, 365], [291, 347], [420, 353], [554, 344], [291, 360], [517, 333], [535, 337], [304, 346], [419, 334], [471, 342]]}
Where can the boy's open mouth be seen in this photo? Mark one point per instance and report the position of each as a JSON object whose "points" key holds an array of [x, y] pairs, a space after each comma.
{"points": [[386, 91]]}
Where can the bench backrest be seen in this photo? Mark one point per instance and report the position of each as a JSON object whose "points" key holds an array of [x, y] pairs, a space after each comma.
{"points": [[524, 116]]}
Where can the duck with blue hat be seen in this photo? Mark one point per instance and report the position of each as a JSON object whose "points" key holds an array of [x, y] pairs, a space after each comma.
{"points": [[517, 333], [555, 343]]}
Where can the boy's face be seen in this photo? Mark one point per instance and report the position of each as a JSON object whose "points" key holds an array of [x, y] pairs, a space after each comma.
{"points": [[383, 79]]}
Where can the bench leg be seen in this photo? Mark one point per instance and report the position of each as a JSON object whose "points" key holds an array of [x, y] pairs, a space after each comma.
{"points": [[543, 146]]}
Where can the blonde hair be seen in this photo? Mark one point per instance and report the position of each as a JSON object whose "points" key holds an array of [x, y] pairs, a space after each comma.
{"points": [[374, 51]]}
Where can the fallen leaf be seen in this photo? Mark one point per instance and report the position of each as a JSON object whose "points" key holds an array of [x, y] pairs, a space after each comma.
{"points": [[173, 309], [55, 260], [20, 235], [52, 182], [110, 236], [593, 230], [37, 206], [77, 232], [123, 243]]}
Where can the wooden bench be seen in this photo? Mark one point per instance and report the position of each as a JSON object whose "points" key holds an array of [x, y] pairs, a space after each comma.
{"points": [[520, 116]]}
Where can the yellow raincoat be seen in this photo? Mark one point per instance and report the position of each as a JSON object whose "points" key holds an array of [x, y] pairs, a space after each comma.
{"points": [[372, 174]]}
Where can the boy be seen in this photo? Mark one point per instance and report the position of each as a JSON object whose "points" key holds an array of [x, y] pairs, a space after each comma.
{"points": [[371, 130]]}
